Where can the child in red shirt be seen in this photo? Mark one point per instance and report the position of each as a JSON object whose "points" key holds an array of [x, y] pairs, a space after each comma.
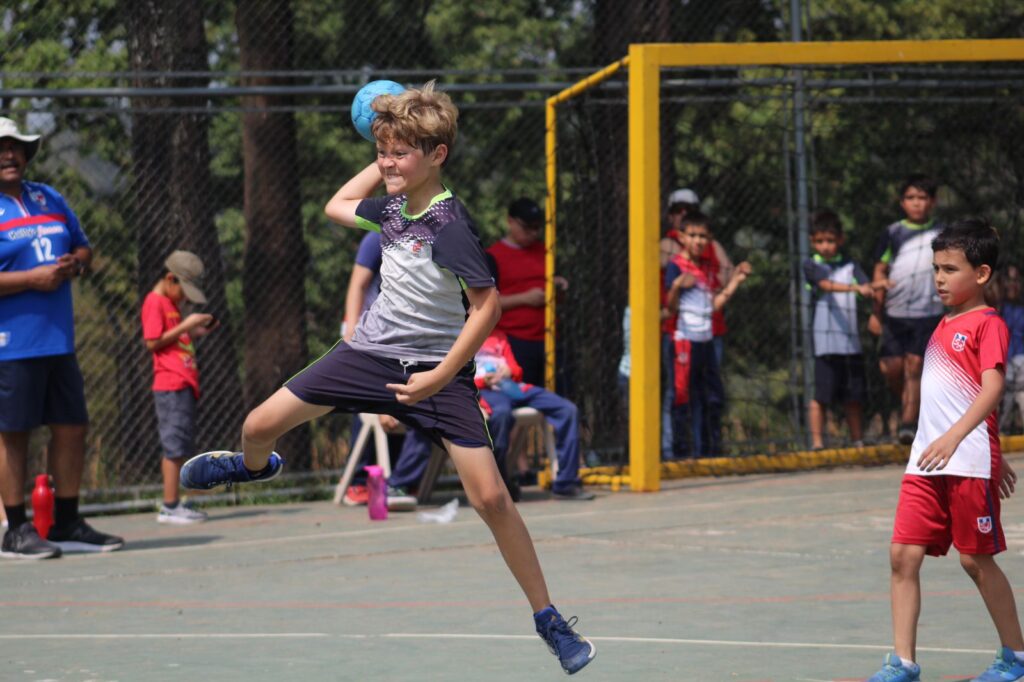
{"points": [[175, 373]]}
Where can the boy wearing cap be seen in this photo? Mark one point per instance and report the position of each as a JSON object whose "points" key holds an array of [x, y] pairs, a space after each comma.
{"points": [[42, 247], [175, 373], [518, 263]]}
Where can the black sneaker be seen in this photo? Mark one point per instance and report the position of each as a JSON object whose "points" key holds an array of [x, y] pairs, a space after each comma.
{"points": [[573, 492], [400, 500], [79, 536], [24, 542]]}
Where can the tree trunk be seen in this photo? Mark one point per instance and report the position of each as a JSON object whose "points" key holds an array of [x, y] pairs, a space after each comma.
{"points": [[173, 210], [273, 281]]}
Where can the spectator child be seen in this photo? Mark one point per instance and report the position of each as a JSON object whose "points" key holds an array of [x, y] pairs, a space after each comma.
{"points": [[690, 294], [499, 378], [1012, 310], [951, 489], [838, 362], [907, 313], [175, 372], [410, 355]]}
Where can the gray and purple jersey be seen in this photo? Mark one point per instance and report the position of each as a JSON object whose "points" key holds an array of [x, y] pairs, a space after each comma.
{"points": [[907, 249], [427, 261]]}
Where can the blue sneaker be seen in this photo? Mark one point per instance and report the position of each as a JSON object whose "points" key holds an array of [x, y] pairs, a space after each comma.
{"points": [[222, 467], [895, 671], [573, 650], [1005, 668]]}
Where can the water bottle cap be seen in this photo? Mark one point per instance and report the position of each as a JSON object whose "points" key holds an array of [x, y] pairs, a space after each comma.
{"points": [[374, 470], [43, 479]]}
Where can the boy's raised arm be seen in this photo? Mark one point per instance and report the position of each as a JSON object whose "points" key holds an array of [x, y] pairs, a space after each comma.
{"points": [[341, 208]]}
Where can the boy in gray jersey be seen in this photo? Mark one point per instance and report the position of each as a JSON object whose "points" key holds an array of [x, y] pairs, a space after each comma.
{"points": [[836, 281], [906, 315], [411, 355]]}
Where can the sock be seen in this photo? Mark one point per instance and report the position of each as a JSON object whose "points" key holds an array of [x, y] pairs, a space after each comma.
{"points": [[907, 663], [15, 515], [65, 510], [548, 610], [171, 505]]}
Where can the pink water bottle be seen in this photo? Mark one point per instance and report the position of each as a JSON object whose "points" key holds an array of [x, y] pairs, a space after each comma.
{"points": [[378, 502], [42, 505]]}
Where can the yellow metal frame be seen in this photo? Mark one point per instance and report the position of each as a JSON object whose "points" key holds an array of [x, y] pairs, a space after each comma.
{"points": [[645, 62]]}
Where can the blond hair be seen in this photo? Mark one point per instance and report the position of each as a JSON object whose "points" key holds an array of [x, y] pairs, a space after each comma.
{"points": [[424, 118]]}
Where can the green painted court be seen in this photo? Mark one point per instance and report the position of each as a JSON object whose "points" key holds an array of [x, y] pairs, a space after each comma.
{"points": [[768, 577]]}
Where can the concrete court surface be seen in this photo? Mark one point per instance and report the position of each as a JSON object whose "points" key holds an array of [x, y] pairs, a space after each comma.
{"points": [[756, 578]]}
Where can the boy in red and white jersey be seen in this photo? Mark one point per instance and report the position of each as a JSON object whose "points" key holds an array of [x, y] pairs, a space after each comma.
{"points": [[951, 488]]}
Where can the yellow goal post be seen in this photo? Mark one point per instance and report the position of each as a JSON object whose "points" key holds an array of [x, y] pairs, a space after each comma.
{"points": [[644, 64]]}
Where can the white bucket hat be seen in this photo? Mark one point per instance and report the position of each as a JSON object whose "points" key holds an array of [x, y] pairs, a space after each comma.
{"points": [[9, 128]]}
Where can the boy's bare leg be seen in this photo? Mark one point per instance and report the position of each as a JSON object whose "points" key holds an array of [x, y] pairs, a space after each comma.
{"points": [[855, 421], [905, 591], [489, 496], [271, 419], [998, 596], [912, 367], [66, 458], [171, 470], [816, 422], [13, 452], [892, 371]]}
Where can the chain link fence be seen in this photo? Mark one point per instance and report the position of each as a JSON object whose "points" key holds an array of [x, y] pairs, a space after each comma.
{"points": [[223, 128]]}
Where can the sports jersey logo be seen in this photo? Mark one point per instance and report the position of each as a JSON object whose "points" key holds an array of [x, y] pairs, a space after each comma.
{"points": [[38, 197], [416, 248], [985, 524], [959, 343]]}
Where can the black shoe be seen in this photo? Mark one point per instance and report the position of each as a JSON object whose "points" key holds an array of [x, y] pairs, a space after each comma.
{"points": [[79, 536], [24, 542], [573, 492]]}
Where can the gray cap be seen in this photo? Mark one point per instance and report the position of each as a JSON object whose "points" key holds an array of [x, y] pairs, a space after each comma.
{"points": [[188, 268], [9, 128]]}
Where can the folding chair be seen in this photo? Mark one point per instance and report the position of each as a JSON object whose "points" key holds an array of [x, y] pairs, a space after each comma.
{"points": [[370, 426]]}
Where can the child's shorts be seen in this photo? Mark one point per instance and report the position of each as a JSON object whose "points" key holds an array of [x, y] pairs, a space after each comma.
{"points": [[936, 511], [176, 421], [838, 379], [354, 381], [43, 390], [906, 335]]}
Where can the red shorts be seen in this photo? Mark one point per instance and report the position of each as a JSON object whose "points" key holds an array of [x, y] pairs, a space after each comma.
{"points": [[936, 511]]}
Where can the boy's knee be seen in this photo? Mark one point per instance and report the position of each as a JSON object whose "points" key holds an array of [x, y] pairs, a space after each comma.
{"points": [[258, 427], [970, 564], [905, 560], [493, 501]]}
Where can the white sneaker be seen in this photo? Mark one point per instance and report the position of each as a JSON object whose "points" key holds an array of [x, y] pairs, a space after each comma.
{"points": [[181, 515]]}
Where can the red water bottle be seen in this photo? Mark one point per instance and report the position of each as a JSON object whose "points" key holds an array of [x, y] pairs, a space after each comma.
{"points": [[42, 505]]}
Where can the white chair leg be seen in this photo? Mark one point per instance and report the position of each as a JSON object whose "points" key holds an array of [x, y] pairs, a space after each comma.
{"points": [[353, 461], [380, 440]]}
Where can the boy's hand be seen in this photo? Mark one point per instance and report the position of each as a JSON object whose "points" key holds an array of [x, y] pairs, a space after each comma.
{"points": [[875, 325], [937, 455], [419, 386], [865, 290], [882, 284], [388, 423], [1007, 480], [684, 281], [47, 277], [201, 323], [741, 272]]}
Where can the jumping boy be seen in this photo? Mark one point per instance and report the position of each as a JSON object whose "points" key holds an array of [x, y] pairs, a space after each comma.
{"points": [[698, 380], [838, 362], [950, 491], [911, 308], [411, 353], [175, 373]]}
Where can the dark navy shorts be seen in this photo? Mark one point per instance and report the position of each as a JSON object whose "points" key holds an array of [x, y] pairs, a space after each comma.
{"points": [[176, 421], [839, 379], [906, 335], [350, 380], [37, 391]]}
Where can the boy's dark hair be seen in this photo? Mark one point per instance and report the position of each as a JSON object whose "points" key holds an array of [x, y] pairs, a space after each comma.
{"points": [[975, 237], [826, 220], [697, 219], [925, 183]]}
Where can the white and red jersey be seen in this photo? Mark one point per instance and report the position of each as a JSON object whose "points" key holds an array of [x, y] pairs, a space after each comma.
{"points": [[961, 348]]}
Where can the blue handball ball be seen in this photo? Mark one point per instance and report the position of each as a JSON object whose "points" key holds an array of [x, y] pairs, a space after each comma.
{"points": [[362, 113]]}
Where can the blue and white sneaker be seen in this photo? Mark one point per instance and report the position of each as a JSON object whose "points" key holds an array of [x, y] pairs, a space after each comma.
{"points": [[223, 467], [1005, 668], [894, 671], [573, 650]]}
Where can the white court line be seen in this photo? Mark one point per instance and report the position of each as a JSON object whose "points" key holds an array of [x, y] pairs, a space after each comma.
{"points": [[189, 635], [710, 642]]}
